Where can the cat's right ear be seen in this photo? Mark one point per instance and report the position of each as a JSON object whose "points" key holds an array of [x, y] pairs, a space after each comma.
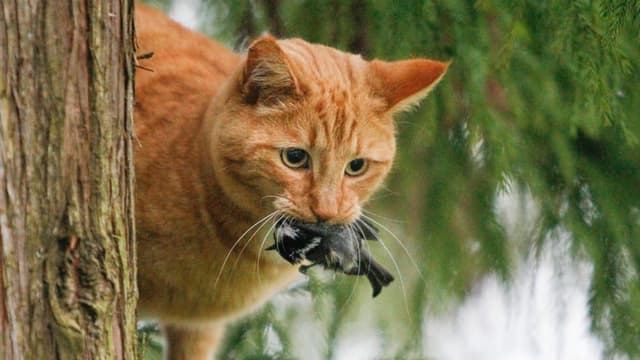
{"points": [[403, 84], [267, 78]]}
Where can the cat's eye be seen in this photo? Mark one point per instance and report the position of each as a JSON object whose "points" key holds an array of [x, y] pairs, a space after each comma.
{"points": [[356, 167], [295, 158]]}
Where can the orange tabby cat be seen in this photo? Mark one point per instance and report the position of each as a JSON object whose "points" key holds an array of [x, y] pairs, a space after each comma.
{"points": [[290, 128]]}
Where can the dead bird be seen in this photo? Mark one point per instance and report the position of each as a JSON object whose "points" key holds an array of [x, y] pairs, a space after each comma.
{"points": [[335, 247]]}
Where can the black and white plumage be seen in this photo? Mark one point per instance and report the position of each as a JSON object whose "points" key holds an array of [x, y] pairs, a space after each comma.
{"points": [[335, 247]]}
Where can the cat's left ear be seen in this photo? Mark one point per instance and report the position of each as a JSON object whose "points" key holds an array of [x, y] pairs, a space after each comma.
{"points": [[403, 84], [267, 77]]}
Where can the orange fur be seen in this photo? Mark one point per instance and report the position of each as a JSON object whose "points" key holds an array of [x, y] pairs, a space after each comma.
{"points": [[211, 125]]}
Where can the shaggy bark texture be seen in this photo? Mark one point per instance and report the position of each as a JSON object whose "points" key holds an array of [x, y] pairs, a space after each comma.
{"points": [[67, 285]]}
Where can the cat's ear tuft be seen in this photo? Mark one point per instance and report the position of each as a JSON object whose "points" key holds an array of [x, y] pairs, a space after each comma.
{"points": [[403, 84], [267, 77]]}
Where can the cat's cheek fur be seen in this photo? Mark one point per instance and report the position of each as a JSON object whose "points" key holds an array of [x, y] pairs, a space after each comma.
{"points": [[365, 189]]}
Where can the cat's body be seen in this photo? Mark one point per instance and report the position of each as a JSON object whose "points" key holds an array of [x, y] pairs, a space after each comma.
{"points": [[180, 209], [212, 126]]}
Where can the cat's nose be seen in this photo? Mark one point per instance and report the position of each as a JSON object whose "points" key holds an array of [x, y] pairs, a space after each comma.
{"points": [[325, 211], [324, 201]]}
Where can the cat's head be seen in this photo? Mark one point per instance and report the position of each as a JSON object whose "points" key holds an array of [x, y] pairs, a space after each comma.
{"points": [[309, 130]]}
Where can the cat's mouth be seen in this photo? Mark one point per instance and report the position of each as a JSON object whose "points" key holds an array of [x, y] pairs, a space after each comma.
{"points": [[292, 229], [338, 247]]}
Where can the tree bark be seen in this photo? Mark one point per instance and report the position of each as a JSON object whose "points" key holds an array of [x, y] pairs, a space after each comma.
{"points": [[276, 26], [67, 280], [359, 43]]}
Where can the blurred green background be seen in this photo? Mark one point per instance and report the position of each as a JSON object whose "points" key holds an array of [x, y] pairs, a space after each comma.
{"points": [[540, 107]]}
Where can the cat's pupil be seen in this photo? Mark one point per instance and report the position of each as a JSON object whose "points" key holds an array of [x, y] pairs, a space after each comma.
{"points": [[294, 157], [356, 165]]}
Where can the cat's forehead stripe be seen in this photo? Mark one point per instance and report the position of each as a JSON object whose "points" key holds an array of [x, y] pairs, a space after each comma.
{"points": [[328, 67]]}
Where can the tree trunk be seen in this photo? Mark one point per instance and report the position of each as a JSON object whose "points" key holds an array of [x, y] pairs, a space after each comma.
{"points": [[67, 285]]}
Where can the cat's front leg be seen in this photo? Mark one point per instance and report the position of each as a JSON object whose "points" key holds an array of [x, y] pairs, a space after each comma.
{"points": [[192, 342]]}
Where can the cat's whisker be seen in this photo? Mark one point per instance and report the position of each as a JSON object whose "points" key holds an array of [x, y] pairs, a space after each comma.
{"points": [[395, 265], [384, 192], [366, 243], [359, 228], [371, 213], [264, 239], [260, 222], [358, 256], [355, 282], [226, 258], [277, 197], [406, 251], [246, 244]]}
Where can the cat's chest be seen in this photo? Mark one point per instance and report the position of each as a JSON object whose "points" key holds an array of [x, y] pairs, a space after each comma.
{"points": [[204, 278]]}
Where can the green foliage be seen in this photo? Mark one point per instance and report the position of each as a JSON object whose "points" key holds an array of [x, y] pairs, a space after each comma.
{"points": [[164, 5], [542, 98], [150, 344]]}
